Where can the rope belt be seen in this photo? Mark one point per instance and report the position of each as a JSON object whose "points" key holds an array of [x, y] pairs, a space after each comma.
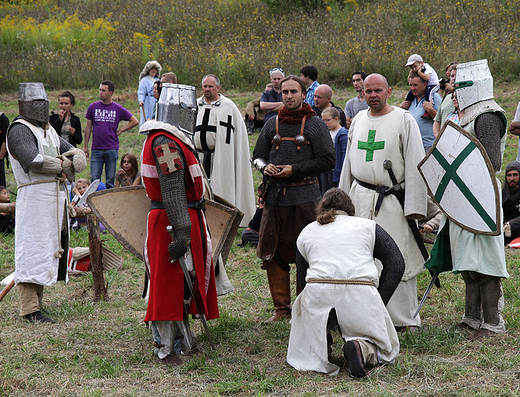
{"points": [[58, 181], [339, 281]]}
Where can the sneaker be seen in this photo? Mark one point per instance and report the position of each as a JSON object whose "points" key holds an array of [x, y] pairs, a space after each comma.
{"points": [[352, 353], [38, 317]]}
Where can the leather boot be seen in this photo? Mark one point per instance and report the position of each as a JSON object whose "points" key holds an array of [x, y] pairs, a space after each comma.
{"points": [[472, 307], [280, 286]]}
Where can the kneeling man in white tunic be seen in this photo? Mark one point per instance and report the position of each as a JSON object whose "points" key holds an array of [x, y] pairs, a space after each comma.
{"points": [[336, 264]]}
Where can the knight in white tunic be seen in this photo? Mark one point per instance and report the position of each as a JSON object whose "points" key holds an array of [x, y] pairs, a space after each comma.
{"points": [[335, 262], [480, 259], [221, 137], [39, 158], [384, 132]]}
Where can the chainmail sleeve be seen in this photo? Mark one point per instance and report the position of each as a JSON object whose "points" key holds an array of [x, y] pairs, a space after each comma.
{"points": [[301, 269], [65, 145], [173, 192], [488, 129], [23, 145], [386, 250]]}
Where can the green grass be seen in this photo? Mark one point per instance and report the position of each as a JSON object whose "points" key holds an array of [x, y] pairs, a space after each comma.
{"points": [[104, 348]]}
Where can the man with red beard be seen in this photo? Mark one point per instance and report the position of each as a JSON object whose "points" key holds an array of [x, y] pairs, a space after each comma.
{"points": [[292, 150]]}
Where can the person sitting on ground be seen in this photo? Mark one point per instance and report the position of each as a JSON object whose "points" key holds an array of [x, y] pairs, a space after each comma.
{"points": [[78, 189], [128, 174], [254, 117], [335, 262], [339, 135], [6, 219], [425, 72], [66, 123], [511, 202]]}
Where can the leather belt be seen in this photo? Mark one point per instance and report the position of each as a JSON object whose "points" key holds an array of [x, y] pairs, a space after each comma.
{"points": [[198, 205]]}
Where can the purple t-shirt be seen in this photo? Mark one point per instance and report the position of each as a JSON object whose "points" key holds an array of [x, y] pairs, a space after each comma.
{"points": [[105, 121]]}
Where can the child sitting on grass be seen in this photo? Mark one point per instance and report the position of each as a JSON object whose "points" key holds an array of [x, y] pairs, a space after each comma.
{"points": [[425, 72]]}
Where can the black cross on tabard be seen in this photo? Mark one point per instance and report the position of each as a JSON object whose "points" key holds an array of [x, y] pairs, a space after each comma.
{"points": [[204, 128], [229, 128]]}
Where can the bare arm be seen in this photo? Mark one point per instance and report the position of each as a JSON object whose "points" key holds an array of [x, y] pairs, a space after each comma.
{"points": [[271, 106], [436, 128], [88, 131], [131, 124], [428, 106]]}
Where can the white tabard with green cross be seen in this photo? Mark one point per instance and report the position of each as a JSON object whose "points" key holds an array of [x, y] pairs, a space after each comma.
{"points": [[461, 180]]}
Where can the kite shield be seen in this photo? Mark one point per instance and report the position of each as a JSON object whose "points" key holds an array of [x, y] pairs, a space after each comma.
{"points": [[124, 212], [461, 180]]}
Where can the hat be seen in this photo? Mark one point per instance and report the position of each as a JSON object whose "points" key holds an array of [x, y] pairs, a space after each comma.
{"points": [[513, 165], [412, 59]]}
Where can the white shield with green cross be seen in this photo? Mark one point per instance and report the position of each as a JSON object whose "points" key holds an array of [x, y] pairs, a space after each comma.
{"points": [[461, 180]]}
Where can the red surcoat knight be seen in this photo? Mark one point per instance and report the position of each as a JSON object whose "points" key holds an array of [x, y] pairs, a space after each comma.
{"points": [[166, 279]]}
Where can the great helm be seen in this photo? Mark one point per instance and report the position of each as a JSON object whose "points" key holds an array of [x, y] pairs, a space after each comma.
{"points": [[473, 83], [33, 103], [178, 106]]}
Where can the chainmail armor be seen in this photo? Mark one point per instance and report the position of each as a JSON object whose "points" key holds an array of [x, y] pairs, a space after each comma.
{"points": [[173, 193], [488, 129], [23, 145], [301, 269], [310, 160], [387, 251]]}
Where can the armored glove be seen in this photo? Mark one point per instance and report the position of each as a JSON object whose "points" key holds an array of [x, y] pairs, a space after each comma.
{"points": [[178, 248], [74, 160]]}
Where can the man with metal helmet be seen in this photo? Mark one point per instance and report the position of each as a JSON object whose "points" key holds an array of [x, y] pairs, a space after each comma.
{"points": [[479, 258], [176, 226], [39, 159]]}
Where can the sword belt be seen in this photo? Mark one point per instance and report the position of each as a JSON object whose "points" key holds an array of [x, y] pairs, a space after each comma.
{"points": [[381, 190], [198, 205], [339, 281]]}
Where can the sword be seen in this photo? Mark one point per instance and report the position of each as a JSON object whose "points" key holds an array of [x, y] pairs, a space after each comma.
{"points": [[187, 277], [435, 276]]}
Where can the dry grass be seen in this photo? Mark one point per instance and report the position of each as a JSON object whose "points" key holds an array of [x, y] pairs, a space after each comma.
{"points": [[105, 349]]}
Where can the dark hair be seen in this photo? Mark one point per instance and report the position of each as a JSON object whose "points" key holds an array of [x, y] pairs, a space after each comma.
{"points": [[297, 79], [310, 71], [414, 75], [68, 94], [2, 188], [451, 65], [363, 74], [133, 161], [334, 199], [110, 84]]}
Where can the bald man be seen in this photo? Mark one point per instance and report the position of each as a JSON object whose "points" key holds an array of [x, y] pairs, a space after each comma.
{"points": [[322, 96], [385, 132]]}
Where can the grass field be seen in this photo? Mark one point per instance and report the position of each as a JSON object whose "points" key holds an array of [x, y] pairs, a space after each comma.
{"points": [[104, 348]]}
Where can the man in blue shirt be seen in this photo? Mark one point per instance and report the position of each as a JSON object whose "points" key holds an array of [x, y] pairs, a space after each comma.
{"points": [[309, 75], [271, 101], [423, 111]]}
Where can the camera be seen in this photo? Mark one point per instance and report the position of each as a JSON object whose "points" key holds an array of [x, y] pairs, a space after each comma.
{"points": [[442, 83]]}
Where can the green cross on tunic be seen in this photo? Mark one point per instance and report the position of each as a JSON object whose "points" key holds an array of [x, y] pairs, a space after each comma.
{"points": [[371, 145]]}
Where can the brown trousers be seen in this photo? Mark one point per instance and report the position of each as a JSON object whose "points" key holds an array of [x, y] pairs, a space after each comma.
{"points": [[30, 297]]}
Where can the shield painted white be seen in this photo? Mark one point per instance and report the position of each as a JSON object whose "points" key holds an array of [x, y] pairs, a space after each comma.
{"points": [[461, 180]]}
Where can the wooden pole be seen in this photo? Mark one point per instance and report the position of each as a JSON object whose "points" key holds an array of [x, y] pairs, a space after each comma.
{"points": [[6, 289], [96, 258]]}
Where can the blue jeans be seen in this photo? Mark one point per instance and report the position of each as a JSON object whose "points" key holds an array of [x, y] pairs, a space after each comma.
{"points": [[107, 157]]}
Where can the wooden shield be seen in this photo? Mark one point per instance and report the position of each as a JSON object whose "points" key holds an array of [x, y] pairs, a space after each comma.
{"points": [[124, 211], [461, 180]]}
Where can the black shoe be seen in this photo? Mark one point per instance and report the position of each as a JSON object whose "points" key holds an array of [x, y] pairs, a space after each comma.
{"points": [[352, 352], [38, 317]]}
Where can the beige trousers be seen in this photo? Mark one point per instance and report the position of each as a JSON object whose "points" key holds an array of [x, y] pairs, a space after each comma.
{"points": [[30, 297]]}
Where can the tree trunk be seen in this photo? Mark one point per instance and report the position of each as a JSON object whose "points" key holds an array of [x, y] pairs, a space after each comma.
{"points": [[96, 258]]}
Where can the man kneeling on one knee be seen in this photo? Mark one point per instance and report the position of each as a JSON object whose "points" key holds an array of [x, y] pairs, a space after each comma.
{"points": [[336, 264]]}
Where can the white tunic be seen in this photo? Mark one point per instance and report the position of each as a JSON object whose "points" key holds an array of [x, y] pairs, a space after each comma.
{"points": [[231, 176], [372, 140], [342, 249], [38, 225]]}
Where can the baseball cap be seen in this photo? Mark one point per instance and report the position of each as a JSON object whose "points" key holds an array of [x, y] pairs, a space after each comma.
{"points": [[413, 58]]}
